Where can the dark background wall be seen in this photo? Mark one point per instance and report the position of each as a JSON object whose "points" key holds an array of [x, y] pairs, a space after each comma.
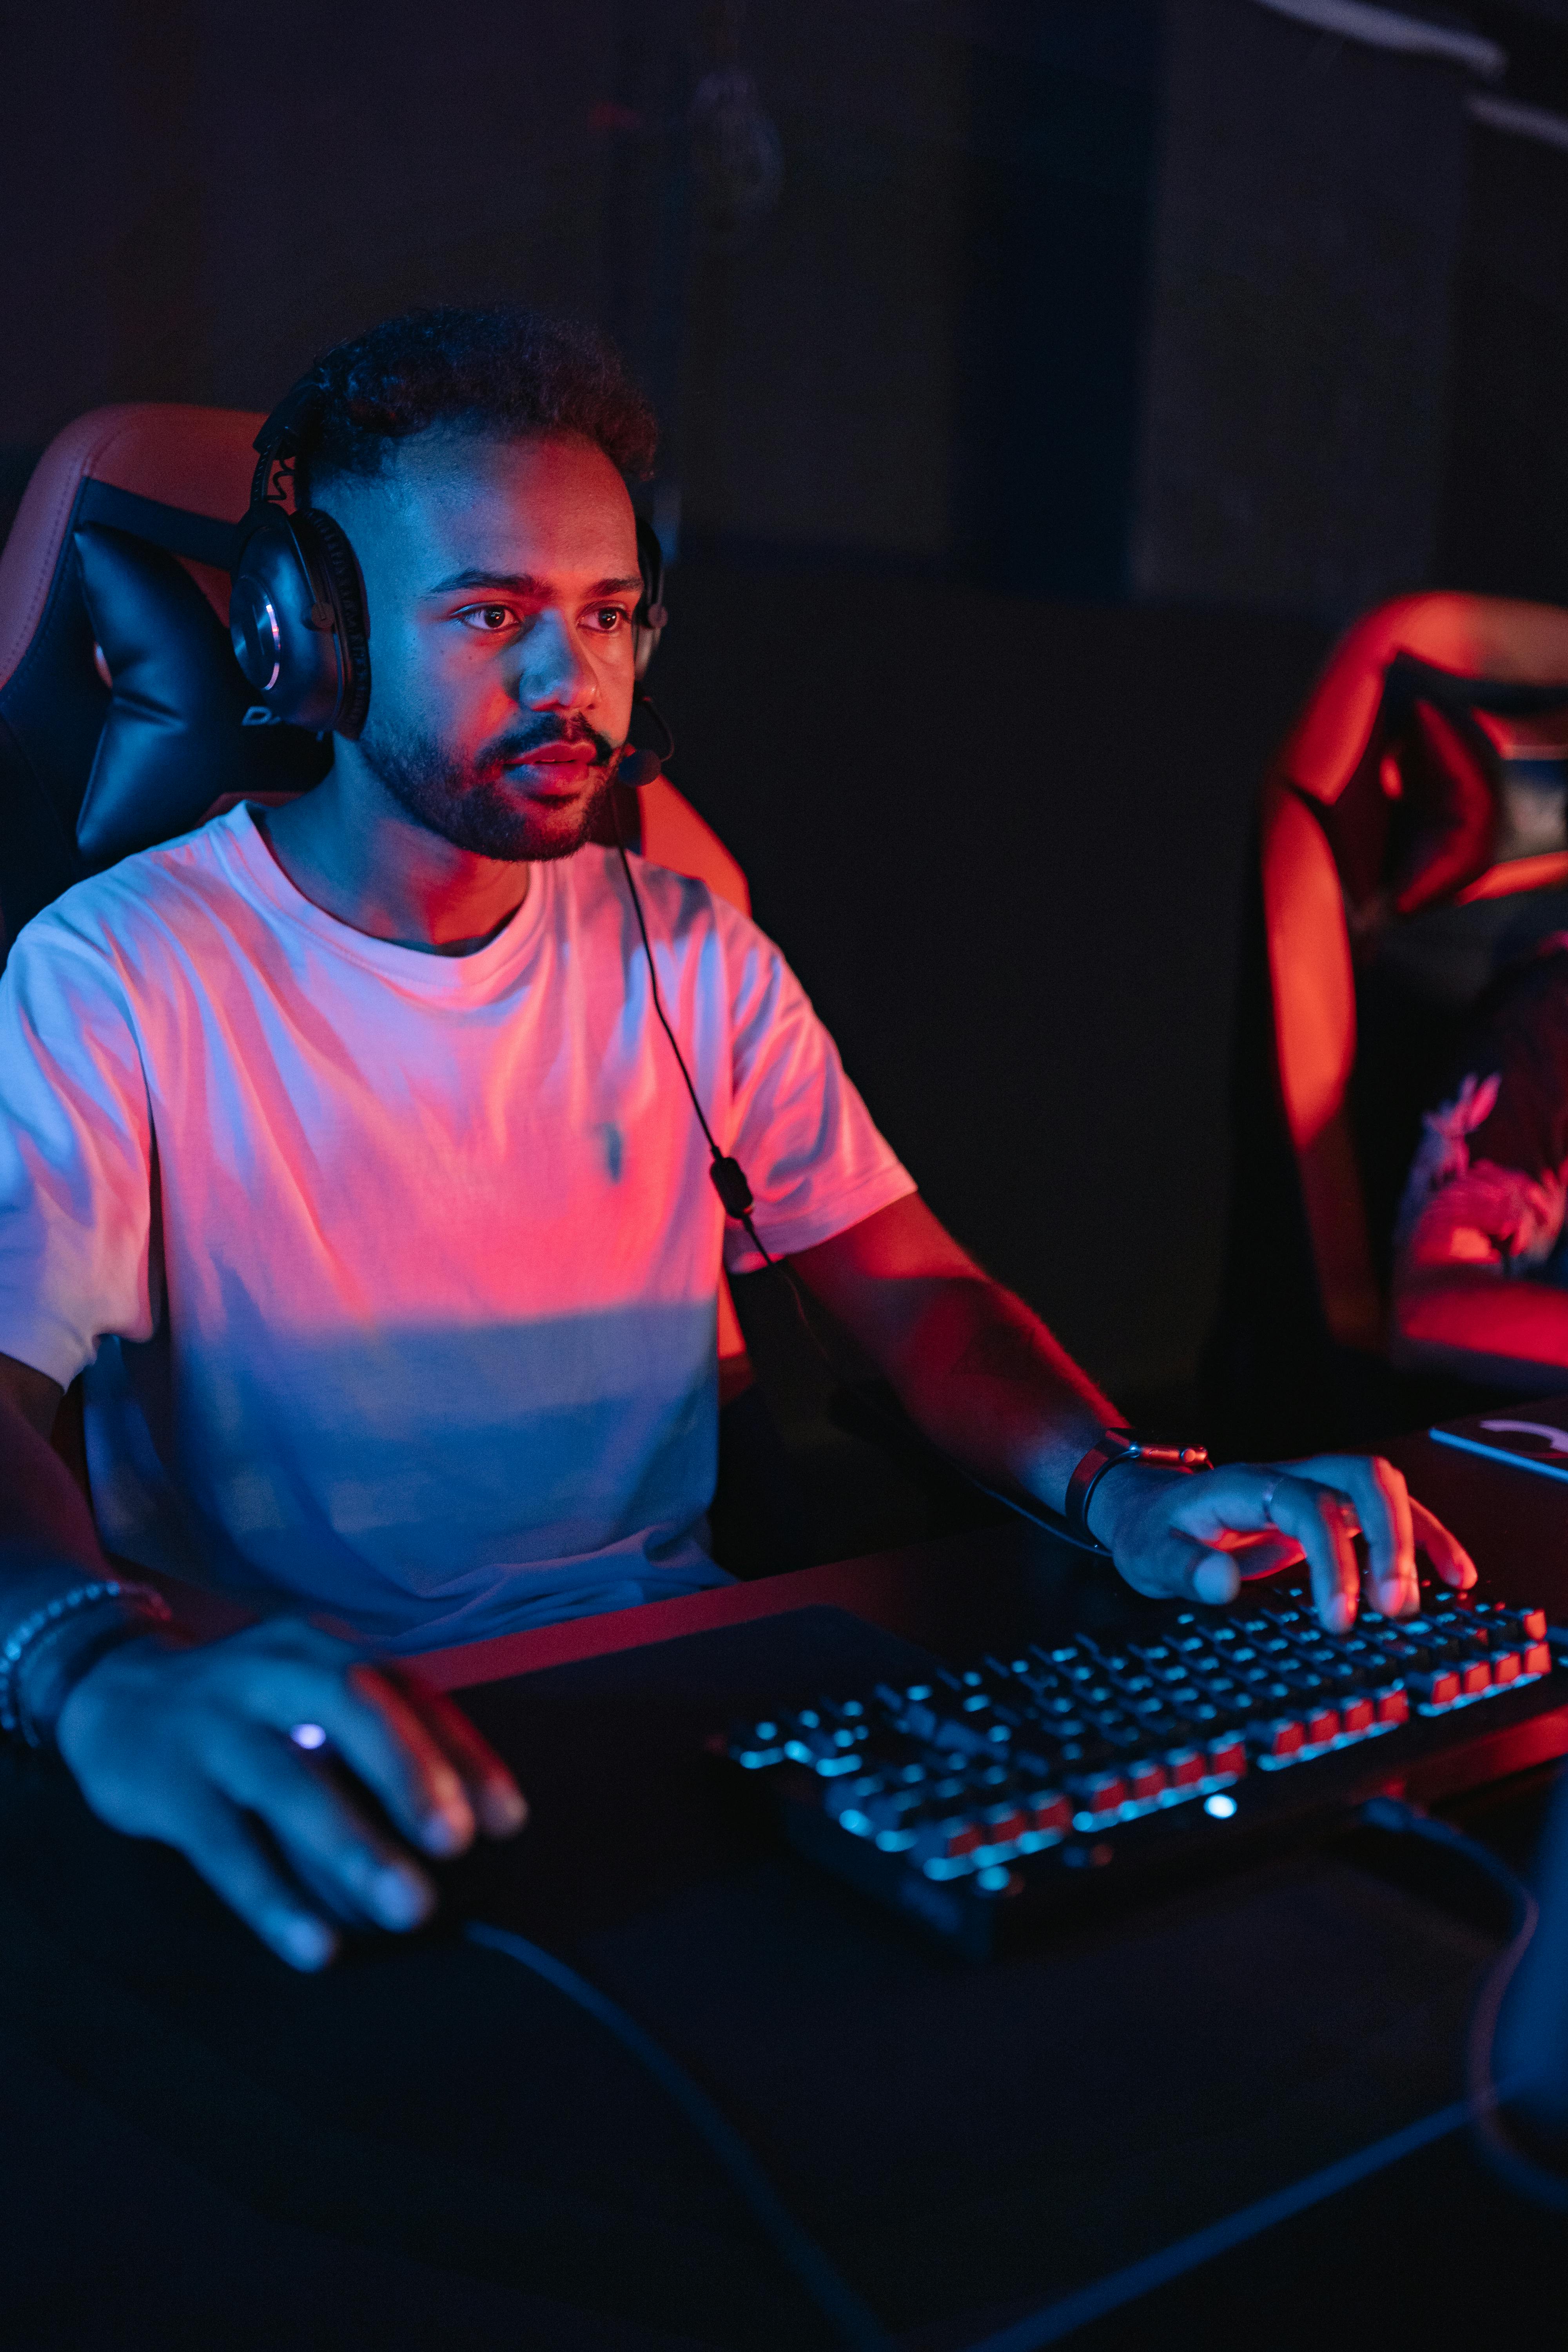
{"points": [[1092, 362]]}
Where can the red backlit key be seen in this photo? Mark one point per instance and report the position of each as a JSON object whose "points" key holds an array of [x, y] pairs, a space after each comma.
{"points": [[962, 1837], [1356, 1715], [1506, 1666], [1393, 1706], [1229, 1754], [1538, 1659], [1052, 1811], [1438, 1689], [1531, 1623], [1003, 1824], [1322, 1725], [1282, 1738], [1475, 1678], [1184, 1766], [1145, 1780], [1102, 1792]]}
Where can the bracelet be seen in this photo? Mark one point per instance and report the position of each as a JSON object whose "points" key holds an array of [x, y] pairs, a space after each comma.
{"points": [[23, 1643], [1116, 1446]]}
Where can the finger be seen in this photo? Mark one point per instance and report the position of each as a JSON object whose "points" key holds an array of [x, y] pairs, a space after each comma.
{"points": [[1177, 1565], [495, 1796], [1324, 1523], [220, 1844], [1256, 1555], [374, 1730], [358, 1869], [1382, 1502], [1448, 1555]]}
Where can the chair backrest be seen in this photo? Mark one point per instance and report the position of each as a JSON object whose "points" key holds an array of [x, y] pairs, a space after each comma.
{"points": [[1385, 804], [123, 717]]}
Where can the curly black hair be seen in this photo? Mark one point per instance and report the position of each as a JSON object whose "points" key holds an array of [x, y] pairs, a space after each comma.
{"points": [[500, 372]]}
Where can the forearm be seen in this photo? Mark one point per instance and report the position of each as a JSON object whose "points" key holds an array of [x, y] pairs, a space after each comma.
{"points": [[984, 1378], [1474, 1321]]}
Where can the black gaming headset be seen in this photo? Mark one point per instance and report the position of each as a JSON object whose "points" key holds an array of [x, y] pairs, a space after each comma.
{"points": [[297, 607]]}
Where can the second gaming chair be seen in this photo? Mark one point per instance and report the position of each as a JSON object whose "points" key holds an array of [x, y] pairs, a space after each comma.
{"points": [[1411, 841]]}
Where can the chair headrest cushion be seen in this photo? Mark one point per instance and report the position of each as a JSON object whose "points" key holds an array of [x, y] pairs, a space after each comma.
{"points": [[181, 730]]}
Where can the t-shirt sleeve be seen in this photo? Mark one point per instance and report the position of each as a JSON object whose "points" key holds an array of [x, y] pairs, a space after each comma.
{"points": [[76, 1156], [814, 1161]]}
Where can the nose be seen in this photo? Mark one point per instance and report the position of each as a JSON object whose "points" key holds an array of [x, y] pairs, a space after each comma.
{"points": [[556, 673]]}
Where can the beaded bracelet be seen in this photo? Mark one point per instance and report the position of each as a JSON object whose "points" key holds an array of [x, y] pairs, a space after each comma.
{"points": [[140, 1598]]}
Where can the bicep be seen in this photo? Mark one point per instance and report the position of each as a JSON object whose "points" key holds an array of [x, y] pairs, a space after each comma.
{"points": [[876, 1275]]}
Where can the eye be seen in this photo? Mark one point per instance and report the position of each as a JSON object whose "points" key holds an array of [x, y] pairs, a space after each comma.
{"points": [[488, 620], [608, 619]]}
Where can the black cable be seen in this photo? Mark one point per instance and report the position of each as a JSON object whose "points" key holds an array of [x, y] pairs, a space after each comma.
{"points": [[728, 1176], [1080, 2309], [852, 2321]]}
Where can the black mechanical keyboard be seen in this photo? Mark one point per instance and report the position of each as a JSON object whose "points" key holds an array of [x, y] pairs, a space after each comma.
{"points": [[972, 1800]]}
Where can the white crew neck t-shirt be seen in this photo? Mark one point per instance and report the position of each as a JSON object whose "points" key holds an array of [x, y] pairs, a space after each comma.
{"points": [[395, 1274]]}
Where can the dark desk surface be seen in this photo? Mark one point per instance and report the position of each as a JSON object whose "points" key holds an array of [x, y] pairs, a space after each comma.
{"points": [[428, 2145]]}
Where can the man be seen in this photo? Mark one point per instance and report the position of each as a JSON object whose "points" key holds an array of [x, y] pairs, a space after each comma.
{"points": [[1480, 1278], [343, 1146]]}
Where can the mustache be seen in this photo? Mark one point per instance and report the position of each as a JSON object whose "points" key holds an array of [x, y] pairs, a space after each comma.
{"points": [[518, 742]]}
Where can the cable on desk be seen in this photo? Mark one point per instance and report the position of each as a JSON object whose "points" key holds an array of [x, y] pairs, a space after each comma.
{"points": [[1071, 2312], [1507, 2158], [853, 2322]]}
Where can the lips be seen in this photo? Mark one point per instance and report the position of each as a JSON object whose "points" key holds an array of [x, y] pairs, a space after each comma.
{"points": [[557, 771]]}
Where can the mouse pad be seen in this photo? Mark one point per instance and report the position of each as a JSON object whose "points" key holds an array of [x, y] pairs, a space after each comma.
{"points": [[965, 2142]]}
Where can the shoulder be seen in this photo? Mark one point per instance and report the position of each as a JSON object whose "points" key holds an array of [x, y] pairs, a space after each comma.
{"points": [[129, 904], [676, 906]]}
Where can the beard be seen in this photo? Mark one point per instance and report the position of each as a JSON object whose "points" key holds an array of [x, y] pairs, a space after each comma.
{"points": [[477, 804]]}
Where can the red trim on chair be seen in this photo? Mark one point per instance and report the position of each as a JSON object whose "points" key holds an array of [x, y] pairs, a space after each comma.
{"points": [[1313, 990], [1548, 871], [199, 458]]}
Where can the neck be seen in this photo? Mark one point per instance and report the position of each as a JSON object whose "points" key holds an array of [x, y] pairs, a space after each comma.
{"points": [[354, 852]]}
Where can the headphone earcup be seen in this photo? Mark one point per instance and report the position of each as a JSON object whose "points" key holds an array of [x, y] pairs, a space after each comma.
{"points": [[335, 567], [649, 620], [298, 623]]}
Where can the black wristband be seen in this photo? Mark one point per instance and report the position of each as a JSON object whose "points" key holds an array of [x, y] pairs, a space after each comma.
{"points": [[64, 1657], [1121, 1444], [48, 1647]]}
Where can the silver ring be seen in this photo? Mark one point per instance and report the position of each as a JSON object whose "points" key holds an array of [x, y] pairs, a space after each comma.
{"points": [[1269, 1498]]}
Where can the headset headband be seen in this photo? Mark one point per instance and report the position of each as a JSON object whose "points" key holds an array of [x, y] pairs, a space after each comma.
{"points": [[285, 434]]}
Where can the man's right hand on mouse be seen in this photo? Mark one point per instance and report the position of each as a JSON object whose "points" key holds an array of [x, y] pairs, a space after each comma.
{"points": [[193, 1746]]}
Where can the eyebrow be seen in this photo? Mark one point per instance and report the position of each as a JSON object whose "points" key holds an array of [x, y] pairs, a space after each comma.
{"points": [[523, 584]]}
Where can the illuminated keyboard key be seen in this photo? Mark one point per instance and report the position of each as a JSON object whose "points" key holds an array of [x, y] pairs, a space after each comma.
{"points": [[1538, 1659], [1146, 1780], [1439, 1688], [1475, 1678], [1356, 1715], [1393, 1706], [1050, 1812], [1279, 1740], [1004, 1824], [1184, 1766], [961, 1838], [1322, 1725], [1229, 1754], [1100, 1794]]}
